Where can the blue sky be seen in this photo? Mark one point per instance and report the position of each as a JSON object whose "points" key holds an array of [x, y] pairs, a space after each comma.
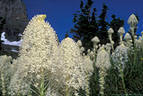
{"points": [[60, 12]]}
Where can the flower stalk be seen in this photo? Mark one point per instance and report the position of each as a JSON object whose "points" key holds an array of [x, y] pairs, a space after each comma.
{"points": [[102, 75], [123, 81]]}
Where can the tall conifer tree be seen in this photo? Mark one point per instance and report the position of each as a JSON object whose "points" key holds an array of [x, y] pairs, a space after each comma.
{"points": [[103, 25], [85, 27]]}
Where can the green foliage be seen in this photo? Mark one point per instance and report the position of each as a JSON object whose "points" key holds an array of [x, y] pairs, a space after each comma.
{"points": [[41, 89], [133, 75], [133, 72]]}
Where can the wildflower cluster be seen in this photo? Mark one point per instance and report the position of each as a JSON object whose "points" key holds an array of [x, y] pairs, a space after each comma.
{"points": [[46, 67]]}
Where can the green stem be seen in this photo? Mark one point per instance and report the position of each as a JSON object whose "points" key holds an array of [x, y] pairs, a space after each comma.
{"points": [[123, 81], [42, 93], [87, 91]]}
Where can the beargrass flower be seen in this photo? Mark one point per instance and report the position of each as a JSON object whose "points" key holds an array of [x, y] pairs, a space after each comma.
{"points": [[128, 40], [138, 42], [79, 43], [103, 63], [100, 62], [72, 66], [133, 21], [5, 73], [108, 47], [121, 31], [127, 37], [95, 41], [110, 32], [120, 56], [36, 55]]}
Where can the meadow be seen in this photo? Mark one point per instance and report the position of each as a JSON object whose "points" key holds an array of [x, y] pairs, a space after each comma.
{"points": [[46, 67]]}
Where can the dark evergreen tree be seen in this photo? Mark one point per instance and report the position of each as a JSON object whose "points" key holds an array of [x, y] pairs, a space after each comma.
{"points": [[103, 26], [115, 24], [2, 22], [86, 26]]}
